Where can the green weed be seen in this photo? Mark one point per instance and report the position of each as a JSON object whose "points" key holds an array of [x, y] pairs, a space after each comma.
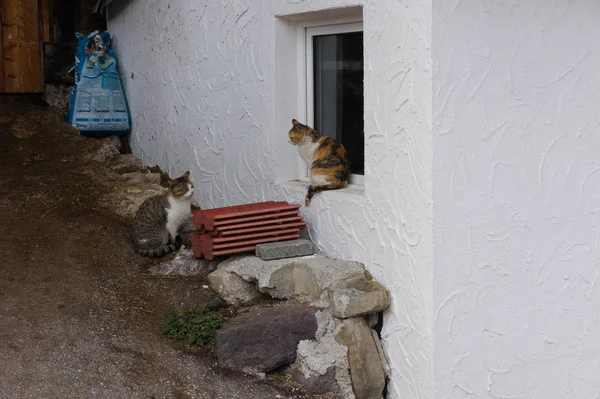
{"points": [[197, 326]]}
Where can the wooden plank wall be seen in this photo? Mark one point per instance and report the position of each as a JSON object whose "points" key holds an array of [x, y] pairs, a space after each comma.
{"points": [[21, 47], [44, 7], [1, 53]]}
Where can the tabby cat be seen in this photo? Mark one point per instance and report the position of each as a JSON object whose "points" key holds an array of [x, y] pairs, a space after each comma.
{"points": [[329, 167], [160, 219]]}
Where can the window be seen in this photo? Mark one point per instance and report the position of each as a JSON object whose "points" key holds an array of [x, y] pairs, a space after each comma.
{"points": [[334, 88]]}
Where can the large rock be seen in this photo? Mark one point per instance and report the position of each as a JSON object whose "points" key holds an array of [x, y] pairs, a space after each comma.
{"points": [[265, 338], [304, 277], [357, 296], [184, 264], [322, 365], [232, 288], [366, 369]]}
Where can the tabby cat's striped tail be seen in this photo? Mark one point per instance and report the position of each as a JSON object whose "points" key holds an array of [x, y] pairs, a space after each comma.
{"points": [[160, 251]]}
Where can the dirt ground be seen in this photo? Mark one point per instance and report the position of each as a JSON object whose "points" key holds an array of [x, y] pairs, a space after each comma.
{"points": [[79, 315]]}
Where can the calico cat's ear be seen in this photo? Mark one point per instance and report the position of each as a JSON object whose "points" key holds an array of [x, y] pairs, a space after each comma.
{"points": [[295, 122], [186, 175]]}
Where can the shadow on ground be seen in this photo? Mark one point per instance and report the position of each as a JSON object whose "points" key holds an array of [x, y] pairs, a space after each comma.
{"points": [[79, 316]]}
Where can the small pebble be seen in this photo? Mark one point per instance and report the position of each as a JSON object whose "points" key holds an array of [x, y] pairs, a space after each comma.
{"points": [[205, 286]]}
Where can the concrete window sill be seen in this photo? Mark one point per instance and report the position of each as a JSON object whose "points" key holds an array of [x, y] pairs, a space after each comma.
{"points": [[300, 187]]}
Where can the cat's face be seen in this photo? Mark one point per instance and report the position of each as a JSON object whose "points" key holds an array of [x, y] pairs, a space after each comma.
{"points": [[298, 132], [181, 187]]}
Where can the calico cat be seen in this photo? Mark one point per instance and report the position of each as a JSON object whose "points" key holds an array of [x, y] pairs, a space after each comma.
{"points": [[159, 219], [329, 167]]}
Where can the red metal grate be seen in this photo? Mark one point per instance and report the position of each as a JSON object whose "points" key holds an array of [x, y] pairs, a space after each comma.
{"points": [[237, 229]]}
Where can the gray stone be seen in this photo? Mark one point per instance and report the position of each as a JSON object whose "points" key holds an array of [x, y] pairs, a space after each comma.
{"points": [[295, 280], [315, 384], [232, 288], [141, 177], [184, 264], [366, 370], [271, 276], [284, 249], [116, 140], [125, 163], [381, 353], [316, 358], [265, 338], [105, 149], [357, 296]]}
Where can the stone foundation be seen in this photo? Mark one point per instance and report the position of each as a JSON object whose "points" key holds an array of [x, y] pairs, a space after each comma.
{"points": [[344, 357]]}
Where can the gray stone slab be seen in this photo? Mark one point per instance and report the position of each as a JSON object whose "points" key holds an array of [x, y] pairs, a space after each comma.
{"points": [[284, 249], [302, 277]]}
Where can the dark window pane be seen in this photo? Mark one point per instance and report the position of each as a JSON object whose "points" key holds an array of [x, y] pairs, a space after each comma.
{"points": [[338, 92]]}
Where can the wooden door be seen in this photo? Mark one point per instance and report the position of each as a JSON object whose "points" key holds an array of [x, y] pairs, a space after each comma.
{"points": [[21, 69]]}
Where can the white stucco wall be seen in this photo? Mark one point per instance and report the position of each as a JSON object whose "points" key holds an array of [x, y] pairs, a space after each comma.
{"points": [[214, 89], [516, 180]]}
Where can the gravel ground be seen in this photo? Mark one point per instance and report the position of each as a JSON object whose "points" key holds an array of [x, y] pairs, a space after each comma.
{"points": [[79, 315]]}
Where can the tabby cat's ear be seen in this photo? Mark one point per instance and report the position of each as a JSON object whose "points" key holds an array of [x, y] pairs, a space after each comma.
{"points": [[172, 182], [186, 174], [295, 122]]}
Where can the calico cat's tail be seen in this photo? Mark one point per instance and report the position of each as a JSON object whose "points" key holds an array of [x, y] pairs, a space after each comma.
{"points": [[160, 251], [317, 188]]}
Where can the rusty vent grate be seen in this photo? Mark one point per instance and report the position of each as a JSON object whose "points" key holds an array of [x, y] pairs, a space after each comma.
{"points": [[237, 229]]}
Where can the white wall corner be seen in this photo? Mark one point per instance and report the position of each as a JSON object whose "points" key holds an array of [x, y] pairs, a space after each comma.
{"points": [[215, 94]]}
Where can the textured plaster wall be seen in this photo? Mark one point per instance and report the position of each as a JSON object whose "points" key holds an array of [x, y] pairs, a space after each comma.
{"points": [[197, 76], [516, 180], [212, 88]]}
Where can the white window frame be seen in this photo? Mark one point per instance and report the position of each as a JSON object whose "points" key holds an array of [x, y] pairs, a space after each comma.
{"points": [[306, 78]]}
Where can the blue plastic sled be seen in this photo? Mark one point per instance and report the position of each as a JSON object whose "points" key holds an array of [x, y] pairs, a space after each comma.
{"points": [[98, 105]]}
